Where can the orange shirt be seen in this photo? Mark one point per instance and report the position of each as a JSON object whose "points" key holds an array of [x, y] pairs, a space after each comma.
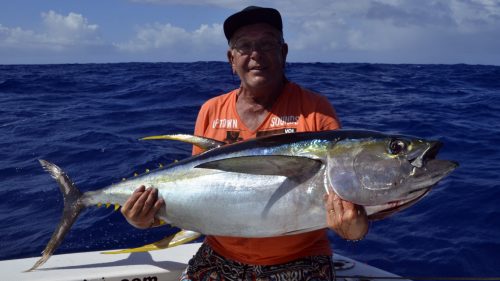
{"points": [[296, 110]]}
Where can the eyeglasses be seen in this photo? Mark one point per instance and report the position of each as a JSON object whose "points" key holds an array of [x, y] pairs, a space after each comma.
{"points": [[245, 47]]}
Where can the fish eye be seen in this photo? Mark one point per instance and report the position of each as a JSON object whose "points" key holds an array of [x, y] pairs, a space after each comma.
{"points": [[397, 146]]}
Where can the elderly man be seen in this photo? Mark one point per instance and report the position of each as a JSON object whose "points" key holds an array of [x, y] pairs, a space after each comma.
{"points": [[265, 103]]}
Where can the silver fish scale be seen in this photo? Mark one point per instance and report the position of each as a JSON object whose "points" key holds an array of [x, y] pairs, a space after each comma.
{"points": [[244, 205]]}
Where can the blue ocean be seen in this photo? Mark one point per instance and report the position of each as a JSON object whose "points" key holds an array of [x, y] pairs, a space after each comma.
{"points": [[87, 118]]}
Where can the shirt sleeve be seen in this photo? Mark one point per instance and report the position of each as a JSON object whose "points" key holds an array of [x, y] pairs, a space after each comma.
{"points": [[326, 117]]}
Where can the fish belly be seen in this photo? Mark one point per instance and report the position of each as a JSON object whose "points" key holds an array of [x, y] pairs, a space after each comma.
{"points": [[243, 205]]}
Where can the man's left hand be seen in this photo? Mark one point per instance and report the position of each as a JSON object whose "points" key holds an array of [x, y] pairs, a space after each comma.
{"points": [[345, 218]]}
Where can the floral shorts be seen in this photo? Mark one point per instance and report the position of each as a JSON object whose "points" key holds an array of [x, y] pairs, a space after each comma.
{"points": [[207, 265]]}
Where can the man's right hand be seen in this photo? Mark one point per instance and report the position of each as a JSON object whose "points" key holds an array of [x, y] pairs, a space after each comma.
{"points": [[141, 207]]}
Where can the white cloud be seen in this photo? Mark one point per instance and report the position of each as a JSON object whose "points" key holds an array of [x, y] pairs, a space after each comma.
{"points": [[155, 36], [68, 30], [205, 43], [473, 15], [57, 33], [429, 31], [14, 36]]}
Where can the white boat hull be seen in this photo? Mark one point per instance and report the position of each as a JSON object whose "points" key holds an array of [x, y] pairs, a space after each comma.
{"points": [[150, 266]]}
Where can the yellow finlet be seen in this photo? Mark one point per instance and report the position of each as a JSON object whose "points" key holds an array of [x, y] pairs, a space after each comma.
{"points": [[117, 206], [99, 205], [108, 204], [136, 174]]}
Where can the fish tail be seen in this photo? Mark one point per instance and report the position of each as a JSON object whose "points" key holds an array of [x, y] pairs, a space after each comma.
{"points": [[72, 208]]}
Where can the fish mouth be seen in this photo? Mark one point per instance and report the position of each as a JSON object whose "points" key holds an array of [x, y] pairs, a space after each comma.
{"points": [[422, 156], [433, 150], [426, 166], [383, 211], [434, 170], [424, 179]]}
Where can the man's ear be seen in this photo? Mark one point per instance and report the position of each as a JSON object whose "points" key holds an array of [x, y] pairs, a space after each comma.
{"points": [[230, 59], [284, 53]]}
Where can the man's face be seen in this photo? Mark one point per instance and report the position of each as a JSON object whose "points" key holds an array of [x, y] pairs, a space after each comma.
{"points": [[257, 54]]}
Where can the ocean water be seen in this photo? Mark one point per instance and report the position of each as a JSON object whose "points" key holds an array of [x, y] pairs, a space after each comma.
{"points": [[87, 118]]}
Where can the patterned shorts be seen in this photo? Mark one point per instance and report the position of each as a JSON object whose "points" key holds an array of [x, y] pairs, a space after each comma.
{"points": [[207, 265]]}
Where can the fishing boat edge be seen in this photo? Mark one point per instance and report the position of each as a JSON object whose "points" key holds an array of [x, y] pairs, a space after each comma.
{"points": [[149, 266]]}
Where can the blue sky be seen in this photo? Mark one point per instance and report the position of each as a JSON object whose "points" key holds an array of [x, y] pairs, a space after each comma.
{"points": [[374, 31]]}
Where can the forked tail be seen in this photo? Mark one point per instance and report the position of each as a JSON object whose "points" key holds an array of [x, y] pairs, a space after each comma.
{"points": [[72, 208]]}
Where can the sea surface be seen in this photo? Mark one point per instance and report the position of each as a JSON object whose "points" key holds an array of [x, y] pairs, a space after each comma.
{"points": [[87, 118]]}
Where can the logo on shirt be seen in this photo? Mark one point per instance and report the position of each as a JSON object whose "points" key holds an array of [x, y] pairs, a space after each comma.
{"points": [[232, 137], [284, 121], [225, 124], [276, 132]]}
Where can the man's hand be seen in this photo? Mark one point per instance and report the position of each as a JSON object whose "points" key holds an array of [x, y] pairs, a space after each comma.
{"points": [[141, 207], [345, 218]]}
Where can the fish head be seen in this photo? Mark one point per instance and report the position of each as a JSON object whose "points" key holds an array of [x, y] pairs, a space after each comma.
{"points": [[390, 172]]}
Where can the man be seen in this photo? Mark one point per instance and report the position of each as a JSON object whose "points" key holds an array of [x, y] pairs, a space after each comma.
{"points": [[266, 103]]}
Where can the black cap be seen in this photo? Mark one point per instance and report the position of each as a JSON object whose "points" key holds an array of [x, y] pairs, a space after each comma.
{"points": [[252, 15]]}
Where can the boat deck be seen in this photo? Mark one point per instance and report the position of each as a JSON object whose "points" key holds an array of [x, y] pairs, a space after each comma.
{"points": [[150, 266]]}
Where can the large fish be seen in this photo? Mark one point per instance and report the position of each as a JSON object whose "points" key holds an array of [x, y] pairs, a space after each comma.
{"points": [[273, 186]]}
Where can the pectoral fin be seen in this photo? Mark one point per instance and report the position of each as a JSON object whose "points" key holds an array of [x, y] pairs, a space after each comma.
{"points": [[279, 165], [201, 142], [181, 237]]}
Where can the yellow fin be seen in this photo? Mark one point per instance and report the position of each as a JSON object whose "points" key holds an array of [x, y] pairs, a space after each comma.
{"points": [[201, 142], [181, 237]]}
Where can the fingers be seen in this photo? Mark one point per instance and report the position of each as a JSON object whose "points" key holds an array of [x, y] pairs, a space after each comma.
{"points": [[345, 218], [145, 201], [127, 206], [338, 206], [335, 211], [133, 198], [153, 203], [141, 207], [333, 204], [350, 211]]}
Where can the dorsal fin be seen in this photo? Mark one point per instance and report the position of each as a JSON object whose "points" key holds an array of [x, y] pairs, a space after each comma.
{"points": [[201, 142]]}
